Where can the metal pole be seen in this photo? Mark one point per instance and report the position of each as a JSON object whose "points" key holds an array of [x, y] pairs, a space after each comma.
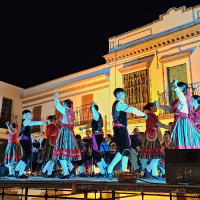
{"points": [[26, 194]]}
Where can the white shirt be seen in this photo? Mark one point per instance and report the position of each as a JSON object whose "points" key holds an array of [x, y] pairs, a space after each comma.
{"points": [[183, 104], [61, 109], [28, 122], [121, 106], [95, 113]]}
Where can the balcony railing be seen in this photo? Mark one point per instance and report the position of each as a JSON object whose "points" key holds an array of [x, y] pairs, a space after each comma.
{"points": [[37, 128], [167, 98], [83, 115], [11, 118]]}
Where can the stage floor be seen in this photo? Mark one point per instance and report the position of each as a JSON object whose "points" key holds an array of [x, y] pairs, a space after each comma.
{"points": [[77, 179], [88, 184]]}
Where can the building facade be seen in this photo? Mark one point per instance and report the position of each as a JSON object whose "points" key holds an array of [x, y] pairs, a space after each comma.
{"points": [[143, 61]]}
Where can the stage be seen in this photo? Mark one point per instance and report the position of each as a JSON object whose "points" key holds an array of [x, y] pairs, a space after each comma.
{"points": [[95, 185]]}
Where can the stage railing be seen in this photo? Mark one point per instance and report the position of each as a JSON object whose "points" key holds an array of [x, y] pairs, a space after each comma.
{"points": [[3, 119]]}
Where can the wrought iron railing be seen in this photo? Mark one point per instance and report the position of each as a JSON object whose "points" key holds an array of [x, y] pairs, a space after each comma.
{"points": [[3, 119], [166, 98], [83, 115], [37, 128]]}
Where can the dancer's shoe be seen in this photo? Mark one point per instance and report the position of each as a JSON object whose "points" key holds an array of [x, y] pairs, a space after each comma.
{"points": [[72, 172], [110, 176], [50, 176], [16, 174], [64, 177], [22, 176], [10, 175], [44, 174], [101, 175]]}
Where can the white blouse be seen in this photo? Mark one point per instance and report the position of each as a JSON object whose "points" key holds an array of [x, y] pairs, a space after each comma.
{"points": [[183, 104], [61, 109]]}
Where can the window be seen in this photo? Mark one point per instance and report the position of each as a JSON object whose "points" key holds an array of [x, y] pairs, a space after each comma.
{"points": [[178, 72], [136, 89], [5, 112]]}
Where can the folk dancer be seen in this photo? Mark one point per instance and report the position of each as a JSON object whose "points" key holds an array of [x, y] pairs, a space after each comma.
{"points": [[13, 152], [121, 135], [25, 142]]}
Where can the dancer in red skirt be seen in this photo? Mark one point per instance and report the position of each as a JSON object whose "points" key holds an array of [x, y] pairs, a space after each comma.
{"points": [[13, 152], [66, 149], [47, 152]]}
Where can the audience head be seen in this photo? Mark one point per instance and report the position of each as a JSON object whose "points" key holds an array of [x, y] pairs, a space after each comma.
{"points": [[108, 138], [88, 132], [135, 130], [166, 136], [140, 136], [78, 138]]}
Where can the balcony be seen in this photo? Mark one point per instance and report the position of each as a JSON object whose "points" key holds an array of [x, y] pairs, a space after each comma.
{"points": [[4, 118], [167, 98], [83, 115]]}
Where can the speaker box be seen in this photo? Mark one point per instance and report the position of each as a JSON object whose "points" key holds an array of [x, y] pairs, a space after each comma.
{"points": [[182, 166]]}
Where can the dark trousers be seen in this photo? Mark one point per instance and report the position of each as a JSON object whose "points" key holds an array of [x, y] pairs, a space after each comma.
{"points": [[96, 155], [26, 148], [121, 139]]}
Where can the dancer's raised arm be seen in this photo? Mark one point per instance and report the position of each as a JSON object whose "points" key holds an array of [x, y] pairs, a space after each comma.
{"points": [[59, 107], [165, 108]]}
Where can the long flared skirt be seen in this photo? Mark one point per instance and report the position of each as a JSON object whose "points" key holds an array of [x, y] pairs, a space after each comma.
{"points": [[66, 147], [46, 153], [184, 135], [13, 153], [152, 149]]}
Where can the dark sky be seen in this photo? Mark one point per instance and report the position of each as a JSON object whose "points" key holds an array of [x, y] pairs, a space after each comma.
{"points": [[44, 40]]}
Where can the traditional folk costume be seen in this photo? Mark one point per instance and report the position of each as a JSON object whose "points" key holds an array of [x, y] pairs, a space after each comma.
{"points": [[47, 151], [26, 144], [66, 148], [121, 135], [185, 134], [13, 152], [97, 138], [151, 148]]}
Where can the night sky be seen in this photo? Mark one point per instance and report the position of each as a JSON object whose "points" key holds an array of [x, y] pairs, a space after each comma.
{"points": [[44, 40]]}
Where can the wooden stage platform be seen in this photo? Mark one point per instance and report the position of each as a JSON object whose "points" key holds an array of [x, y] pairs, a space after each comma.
{"points": [[86, 185]]}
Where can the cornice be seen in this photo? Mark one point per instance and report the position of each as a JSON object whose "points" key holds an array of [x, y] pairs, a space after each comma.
{"points": [[66, 97], [65, 91], [154, 44], [177, 56], [67, 85], [135, 67]]}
